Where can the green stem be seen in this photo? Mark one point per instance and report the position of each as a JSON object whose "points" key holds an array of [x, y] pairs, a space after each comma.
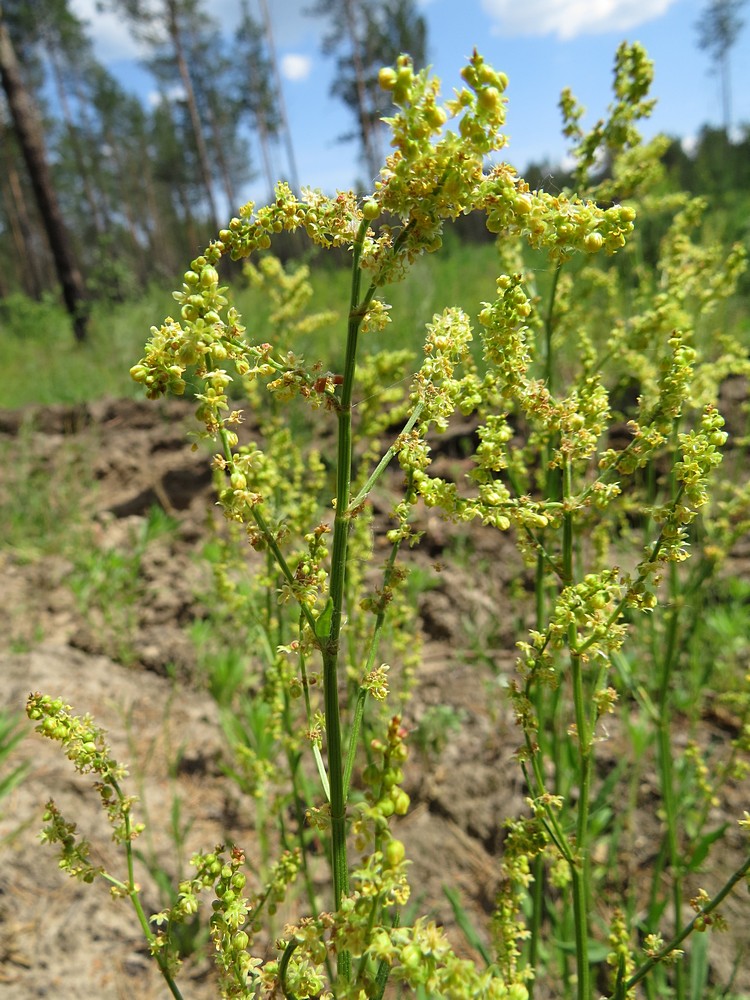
{"points": [[284, 965], [281, 562], [704, 912], [330, 644], [537, 894], [133, 894], [299, 796], [319, 764], [666, 770], [359, 711], [551, 822], [535, 928], [387, 458], [580, 867]]}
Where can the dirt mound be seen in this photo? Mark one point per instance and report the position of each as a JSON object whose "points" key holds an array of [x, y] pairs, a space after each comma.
{"points": [[67, 940], [60, 939], [63, 939]]}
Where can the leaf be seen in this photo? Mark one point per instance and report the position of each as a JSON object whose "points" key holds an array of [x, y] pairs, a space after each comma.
{"points": [[463, 921], [698, 966], [323, 621], [702, 847]]}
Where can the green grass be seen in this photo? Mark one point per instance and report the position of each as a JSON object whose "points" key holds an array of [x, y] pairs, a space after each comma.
{"points": [[46, 365], [11, 734], [42, 508]]}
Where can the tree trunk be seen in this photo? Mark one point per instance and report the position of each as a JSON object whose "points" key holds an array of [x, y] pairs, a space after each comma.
{"points": [[369, 140], [293, 176], [31, 141], [726, 94], [226, 174], [75, 145], [21, 227], [200, 143]]}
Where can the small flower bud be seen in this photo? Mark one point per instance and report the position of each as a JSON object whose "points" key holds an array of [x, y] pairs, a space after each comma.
{"points": [[394, 853], [437, 117], [401, 802], [209, 277], [240, 941], [489, 99], [387, 78], [523, 204]]}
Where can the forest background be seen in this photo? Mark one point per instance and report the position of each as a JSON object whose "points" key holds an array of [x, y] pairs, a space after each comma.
{"points": [[105, 194]]}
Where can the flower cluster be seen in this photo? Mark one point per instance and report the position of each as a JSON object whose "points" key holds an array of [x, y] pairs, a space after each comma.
{"points": [[434, 387], [558, 224], [701, 453], [384, 796], [427, 181], [611, 138], [235, 915], [620, 958], [74, 851], [583, 615], [232, 911], [85, 745]]}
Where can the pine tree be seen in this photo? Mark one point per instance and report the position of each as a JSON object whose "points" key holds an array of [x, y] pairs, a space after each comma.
{"points": [[28, 128], [161, 23], [366, 35], [718, 28]]}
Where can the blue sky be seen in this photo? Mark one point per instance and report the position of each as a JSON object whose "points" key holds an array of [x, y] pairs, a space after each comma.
{"points": [[542, 45]]}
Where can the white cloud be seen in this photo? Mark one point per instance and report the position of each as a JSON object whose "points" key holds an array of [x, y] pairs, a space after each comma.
{"points": [[689, 143], [172, 95], [295, 66], [111, 35], [569, 18]]}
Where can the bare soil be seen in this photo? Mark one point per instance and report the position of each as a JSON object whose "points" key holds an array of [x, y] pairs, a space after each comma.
{"points": [[63, 940]]}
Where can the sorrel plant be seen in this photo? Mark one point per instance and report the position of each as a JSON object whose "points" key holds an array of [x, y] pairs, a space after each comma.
{"points": [[601, 488]]}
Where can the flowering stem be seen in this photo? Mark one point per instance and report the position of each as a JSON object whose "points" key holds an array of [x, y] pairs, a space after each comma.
{"points": [[666, 770], [387, 457], [546, 716], [687, 930], [579, 869], [269, 536], [549, 327], [330, 643], [134, 894], [642, 575], [359, 709]]}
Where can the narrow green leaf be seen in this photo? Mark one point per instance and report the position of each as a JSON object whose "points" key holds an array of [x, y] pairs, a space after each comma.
{"points": [[323, 621]]}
